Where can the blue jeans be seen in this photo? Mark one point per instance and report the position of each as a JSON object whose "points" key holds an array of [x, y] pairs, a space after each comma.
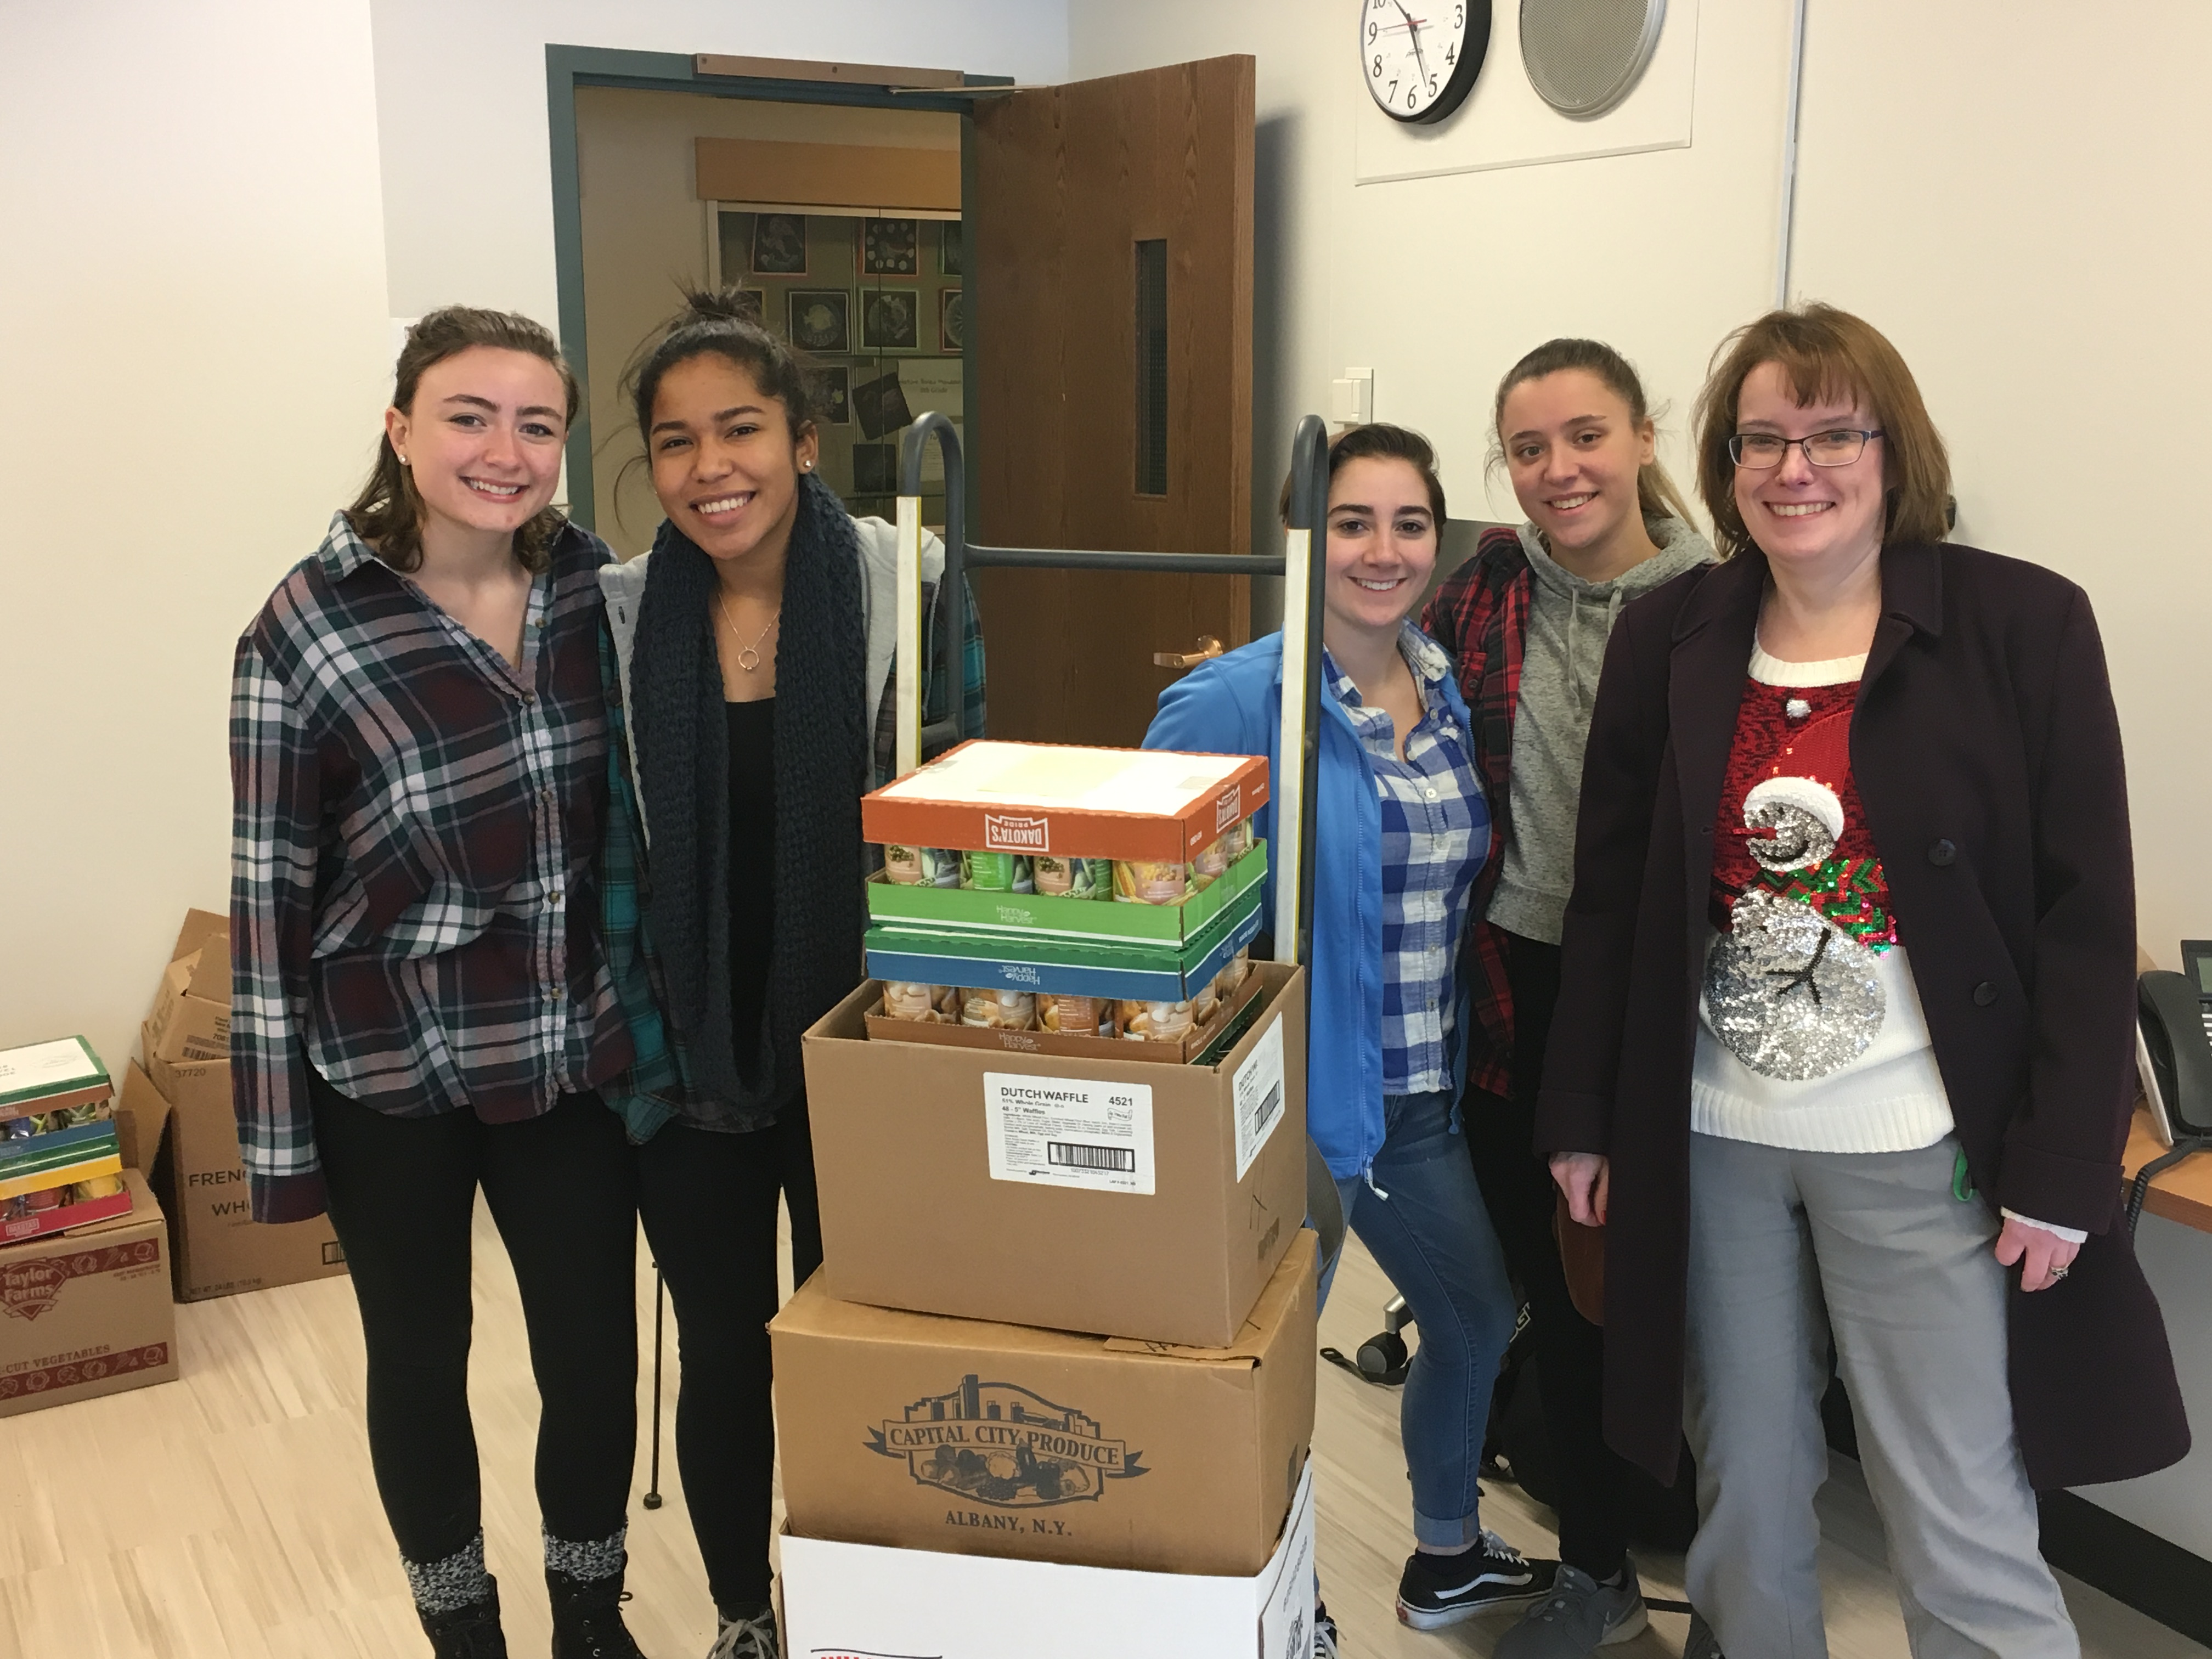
{"points": [[1420, 1215]]}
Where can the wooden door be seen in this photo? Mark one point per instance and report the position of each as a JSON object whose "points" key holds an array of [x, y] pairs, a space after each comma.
{"points": [[1094, 427]]}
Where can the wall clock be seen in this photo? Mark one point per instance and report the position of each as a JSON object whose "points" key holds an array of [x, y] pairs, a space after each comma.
{"points": [[1421, 57]]}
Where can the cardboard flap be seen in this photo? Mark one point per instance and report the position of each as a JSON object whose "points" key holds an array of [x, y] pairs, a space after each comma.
{"points": [[200, 927]]}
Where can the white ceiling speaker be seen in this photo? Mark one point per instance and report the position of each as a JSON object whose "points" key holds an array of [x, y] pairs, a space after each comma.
{"points": [[1583, 57]]}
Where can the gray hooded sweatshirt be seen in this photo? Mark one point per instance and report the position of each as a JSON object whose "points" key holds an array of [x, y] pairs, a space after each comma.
{"points": [[1569, 622]]}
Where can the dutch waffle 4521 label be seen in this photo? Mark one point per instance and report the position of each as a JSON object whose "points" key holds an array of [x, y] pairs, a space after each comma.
{"points": [[1069, 1131]]}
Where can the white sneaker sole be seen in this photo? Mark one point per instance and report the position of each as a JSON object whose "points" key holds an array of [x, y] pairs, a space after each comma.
{"points": [[1629, 1629], [1438, 1618]]}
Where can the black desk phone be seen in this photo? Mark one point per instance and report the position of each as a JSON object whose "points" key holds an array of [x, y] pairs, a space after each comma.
{"points": [[2173, 1044], [2173, 1053]]}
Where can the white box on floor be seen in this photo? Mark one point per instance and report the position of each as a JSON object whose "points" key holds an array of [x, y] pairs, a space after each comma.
{"points": [[856, 1600]]}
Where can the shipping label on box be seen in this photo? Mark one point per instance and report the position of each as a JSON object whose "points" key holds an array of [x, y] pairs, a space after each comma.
{"points": [[1069, 1131], [87, 1313], [924, 1432]]}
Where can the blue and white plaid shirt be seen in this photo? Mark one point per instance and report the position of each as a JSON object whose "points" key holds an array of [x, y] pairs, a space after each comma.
{"points": [[1436, 834]]}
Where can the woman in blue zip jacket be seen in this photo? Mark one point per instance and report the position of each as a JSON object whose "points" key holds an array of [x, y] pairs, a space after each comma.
{"points": [[1401, 829]]}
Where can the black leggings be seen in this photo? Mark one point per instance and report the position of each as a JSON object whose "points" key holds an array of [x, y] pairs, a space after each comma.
{"points": [[561, 1190], [1517, 1185], [709, 1201]]}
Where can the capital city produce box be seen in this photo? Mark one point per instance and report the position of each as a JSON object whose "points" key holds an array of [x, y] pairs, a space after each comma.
{"points": [[963, 1436], [219, 1249], [87, 1312], [1114, 1196]]}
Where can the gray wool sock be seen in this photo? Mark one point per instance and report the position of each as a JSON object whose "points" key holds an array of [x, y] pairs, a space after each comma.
{"points": [[598, 1557], [456, 1581]]}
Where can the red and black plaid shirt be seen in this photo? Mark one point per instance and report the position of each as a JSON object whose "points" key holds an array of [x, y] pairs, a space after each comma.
{"points": [[1480, 615]]}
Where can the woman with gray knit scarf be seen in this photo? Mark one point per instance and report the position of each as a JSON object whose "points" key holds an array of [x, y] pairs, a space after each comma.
{"points": [[1527, 618], [748, 670]]}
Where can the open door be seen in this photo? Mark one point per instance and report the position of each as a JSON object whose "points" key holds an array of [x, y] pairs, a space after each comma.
{"points": [[1109, 277]]}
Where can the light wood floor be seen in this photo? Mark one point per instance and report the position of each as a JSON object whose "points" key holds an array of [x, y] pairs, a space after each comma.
{"points": [[231, 1515]]}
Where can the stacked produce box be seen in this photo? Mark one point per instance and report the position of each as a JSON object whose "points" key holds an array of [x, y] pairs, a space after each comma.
{"points": [[60, 1163], [1066, 1316]]}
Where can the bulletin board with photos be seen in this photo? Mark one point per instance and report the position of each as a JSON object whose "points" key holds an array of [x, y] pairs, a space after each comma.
{"points": [[876, 302]]}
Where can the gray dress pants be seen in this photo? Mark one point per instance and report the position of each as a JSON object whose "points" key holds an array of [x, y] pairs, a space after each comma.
{"points": [[1786, 1246]]}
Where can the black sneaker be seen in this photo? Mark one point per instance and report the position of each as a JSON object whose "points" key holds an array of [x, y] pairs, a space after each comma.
{"points": [[587, 1621], [1489, 1577], [1324, 1633]]}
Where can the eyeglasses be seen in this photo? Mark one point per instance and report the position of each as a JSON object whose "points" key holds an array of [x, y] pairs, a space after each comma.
{"points": [[1762, 451]]}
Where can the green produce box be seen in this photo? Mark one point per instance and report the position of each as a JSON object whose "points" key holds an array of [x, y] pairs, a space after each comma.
{"points": [[967, 911], [1164, 971]]}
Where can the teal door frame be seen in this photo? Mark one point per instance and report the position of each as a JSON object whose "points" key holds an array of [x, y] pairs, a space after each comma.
{"points": [[568, 68]]}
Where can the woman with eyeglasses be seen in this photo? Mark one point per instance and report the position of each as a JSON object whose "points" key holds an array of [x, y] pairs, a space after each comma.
{"points": [[1842, 1048]]}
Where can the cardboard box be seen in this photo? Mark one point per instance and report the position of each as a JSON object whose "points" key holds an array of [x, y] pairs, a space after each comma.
{"points": [[1103, 1195], [88, 1313], [957, 1436], [975, 1606], [981, 796], [220, 1249], [1167, 971], [192, 1009], [142, 1117], [50, 1077]]}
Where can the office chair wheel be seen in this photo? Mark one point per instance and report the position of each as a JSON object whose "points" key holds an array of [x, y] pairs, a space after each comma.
{"points": [[1383, 1358]]}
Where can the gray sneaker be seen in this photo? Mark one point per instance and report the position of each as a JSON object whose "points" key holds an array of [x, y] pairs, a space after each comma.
{"points": [[1577, 1618]]}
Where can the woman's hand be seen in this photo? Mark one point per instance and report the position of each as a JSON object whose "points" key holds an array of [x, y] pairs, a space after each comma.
{"points": [[1586, 1178], [2038, 1250]]}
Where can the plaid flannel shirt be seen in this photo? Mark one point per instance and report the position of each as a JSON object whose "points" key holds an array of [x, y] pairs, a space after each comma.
{"points": [[1480, 615], [413, 907], [1436, 828], [657, 1085]]}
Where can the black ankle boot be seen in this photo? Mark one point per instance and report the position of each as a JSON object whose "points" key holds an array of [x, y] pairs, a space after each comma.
{"points": [[469, 1632], [587, 1621]]}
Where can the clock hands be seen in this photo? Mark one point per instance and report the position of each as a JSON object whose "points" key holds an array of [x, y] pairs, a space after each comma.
{"points": [[1413, 29]]}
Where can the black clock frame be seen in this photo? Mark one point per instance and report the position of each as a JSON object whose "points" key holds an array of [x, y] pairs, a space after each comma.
{"points": [[1464, 75]]}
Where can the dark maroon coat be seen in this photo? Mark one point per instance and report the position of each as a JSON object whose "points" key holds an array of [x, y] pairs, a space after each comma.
{"points": [[1986, 750]]}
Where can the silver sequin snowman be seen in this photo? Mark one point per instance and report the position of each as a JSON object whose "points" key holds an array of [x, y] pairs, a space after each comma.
{"points": [[1793, 995]]}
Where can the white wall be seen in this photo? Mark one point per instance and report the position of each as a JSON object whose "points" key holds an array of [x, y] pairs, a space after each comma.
{"points": [[461, 101], [193, 342], [1440, 284]]}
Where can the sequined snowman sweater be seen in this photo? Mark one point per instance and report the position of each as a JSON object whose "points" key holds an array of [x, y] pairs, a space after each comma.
{"points": [[1810, 1033]]}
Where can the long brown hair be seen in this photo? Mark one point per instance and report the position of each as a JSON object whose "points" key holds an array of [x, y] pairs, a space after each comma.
{"points": [[1656, 497], [1827, 356], [1379, 441], [388, 512]]}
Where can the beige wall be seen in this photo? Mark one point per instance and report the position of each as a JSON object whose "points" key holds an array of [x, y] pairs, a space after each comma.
{"points": [[645, 231], [194, 353]]}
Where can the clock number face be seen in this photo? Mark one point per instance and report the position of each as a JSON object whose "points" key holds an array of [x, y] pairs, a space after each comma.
{"points": [[1421, 57]]}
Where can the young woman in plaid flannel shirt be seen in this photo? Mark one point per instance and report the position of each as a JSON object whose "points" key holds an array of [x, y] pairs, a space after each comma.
{"points": [[1401, 829]]}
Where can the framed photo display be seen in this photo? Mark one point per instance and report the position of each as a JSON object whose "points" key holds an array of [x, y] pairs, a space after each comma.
{"points": [[779, 245], [890, 320], [880, 405], [951, 249], [836, 386], [890, 248], [951, 321], [820, 320]]}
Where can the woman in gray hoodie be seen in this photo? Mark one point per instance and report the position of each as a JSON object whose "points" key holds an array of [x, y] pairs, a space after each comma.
{"points": [[1527, 619]]}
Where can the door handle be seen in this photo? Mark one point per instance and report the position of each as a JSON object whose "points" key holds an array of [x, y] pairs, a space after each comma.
{"points": [[1208, 648]]}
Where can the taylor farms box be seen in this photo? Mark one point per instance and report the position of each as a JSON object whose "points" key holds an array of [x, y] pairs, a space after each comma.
{"points": [[967, 1438], [220, 1248], [192, 1009], [1097, 1195], [1133, 804], [976, 1607], [88, 1313]]}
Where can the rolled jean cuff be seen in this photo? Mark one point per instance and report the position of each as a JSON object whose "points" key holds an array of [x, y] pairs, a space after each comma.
{"points": [[1446, 1534]]}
